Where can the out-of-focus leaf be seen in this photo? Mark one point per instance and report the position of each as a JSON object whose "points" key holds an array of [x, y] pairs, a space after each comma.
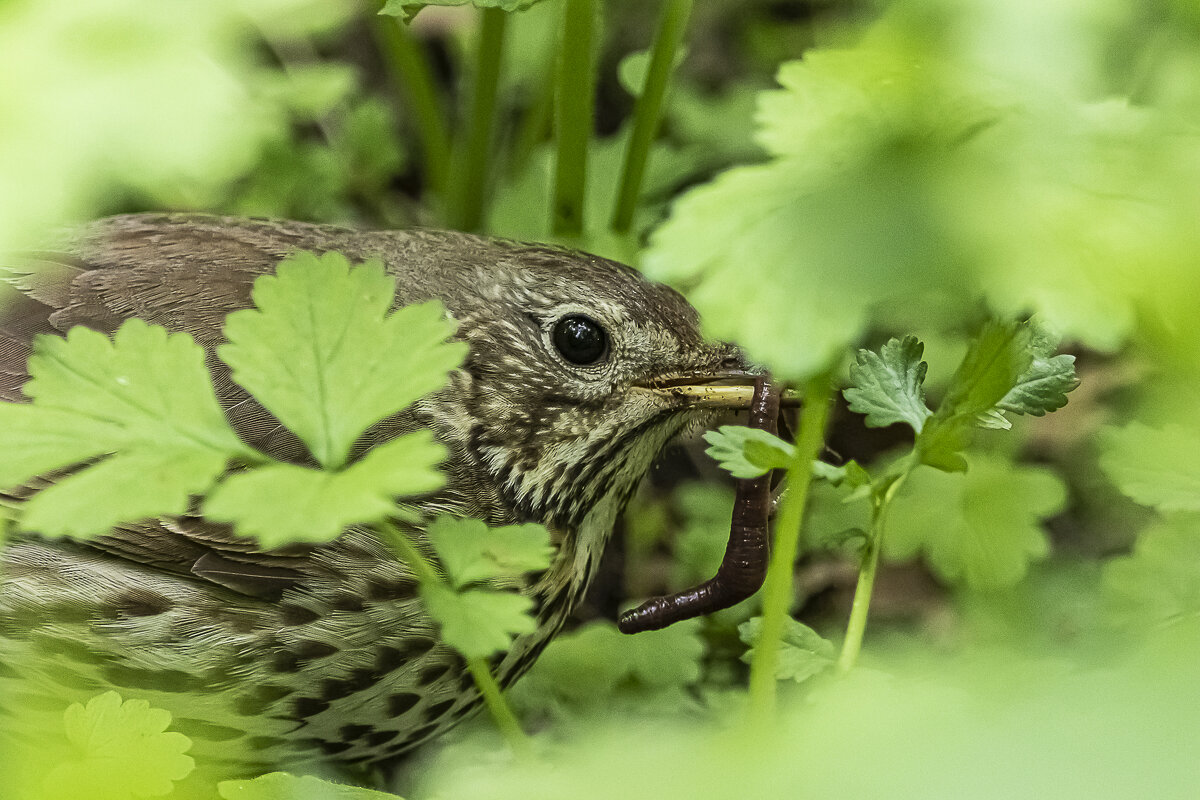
{"points": [[803, 653], [1157, 583], [121, 750], [284, 786], [978, 529], [1156, 467], [360, 363]]}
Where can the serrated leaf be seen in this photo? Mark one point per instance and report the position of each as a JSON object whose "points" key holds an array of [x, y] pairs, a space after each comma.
{"points": [[1155, 467], [1157, 582], [145, 396], [999, 355], [120, 749], [284, 503], [748, 452], [980, 528], [471, 551], [284, 786], [1044, 386], [803, 653], [92, 396], [124, 488], [478, 622], [322, 353], [888, 385]]}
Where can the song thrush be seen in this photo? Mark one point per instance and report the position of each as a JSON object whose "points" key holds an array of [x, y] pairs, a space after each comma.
{"points": [[579, 372]]}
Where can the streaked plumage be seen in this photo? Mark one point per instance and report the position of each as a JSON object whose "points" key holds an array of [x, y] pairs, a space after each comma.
{"points": [[268, 658]]}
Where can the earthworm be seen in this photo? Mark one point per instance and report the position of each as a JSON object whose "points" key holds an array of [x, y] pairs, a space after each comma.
{"points": [[744, 566]]}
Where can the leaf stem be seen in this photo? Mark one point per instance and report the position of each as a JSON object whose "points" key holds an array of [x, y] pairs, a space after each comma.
{"points": [[485, 682], [411, 72], [869, 565], [648, 111], [502, 715], [574, 106], [471, 164], [778, 588]]}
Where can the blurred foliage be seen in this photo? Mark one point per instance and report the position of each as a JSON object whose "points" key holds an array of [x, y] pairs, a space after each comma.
{"points": [[827, 175]]}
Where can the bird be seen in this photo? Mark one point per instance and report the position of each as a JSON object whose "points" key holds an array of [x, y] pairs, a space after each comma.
{"points": [[579, 372]]}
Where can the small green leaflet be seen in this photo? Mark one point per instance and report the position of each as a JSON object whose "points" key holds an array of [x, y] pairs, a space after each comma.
{"points": [[478, 622], [980, 528], [1159, 468], [851, 473], [118, 750], [887, 386], [1008, 367], [803, 653], [322, 353], [283, 503], [144, 395], [748, 452], [283, 786], [470, 551]]}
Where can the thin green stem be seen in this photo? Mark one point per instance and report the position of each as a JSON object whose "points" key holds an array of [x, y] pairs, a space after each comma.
{"points": [[868, 567], [574, 106], [471, 164], [502, 715], [648, 111], [411, 72], [778, 588], [535, 122], [493, 698]]}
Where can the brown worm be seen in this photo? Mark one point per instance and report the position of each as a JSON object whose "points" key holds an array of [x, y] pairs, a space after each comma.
{"points": [[744, 566]]}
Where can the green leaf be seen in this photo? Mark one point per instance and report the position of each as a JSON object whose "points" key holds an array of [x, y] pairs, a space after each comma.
{"points": [[1157, 582], [145, 396], [803, 653], [126, 487], [119, 750], [280, 504], [748, 452], [284, 786], [980, 528], [1044, 386], [887, 386], [1155, 467], [471, 551], [478, 622], [994, 364], [322, 354], [406, 10], [632, 69], [596, 662]]}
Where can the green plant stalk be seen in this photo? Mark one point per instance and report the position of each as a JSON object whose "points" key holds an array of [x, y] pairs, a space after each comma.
{"points": [[410, 70], [574, 106], [493, 698], [471, 165], [535, 122], [868, 566], [648, 112], [777, 589]]}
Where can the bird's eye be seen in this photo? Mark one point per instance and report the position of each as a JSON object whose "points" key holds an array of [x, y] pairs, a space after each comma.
{"points": [[580, 339]]}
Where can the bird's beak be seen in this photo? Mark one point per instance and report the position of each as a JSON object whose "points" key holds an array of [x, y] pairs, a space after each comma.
{"points": [[727, 389]]}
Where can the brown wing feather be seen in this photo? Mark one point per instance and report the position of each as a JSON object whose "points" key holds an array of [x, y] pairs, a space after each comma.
{"points": [[184, 272]]}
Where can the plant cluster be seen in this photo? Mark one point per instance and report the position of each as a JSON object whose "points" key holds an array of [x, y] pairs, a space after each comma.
{"points": [[926, 184]]}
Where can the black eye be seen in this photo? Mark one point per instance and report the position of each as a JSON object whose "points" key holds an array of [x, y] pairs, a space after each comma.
{"points": [[580, 339]]}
